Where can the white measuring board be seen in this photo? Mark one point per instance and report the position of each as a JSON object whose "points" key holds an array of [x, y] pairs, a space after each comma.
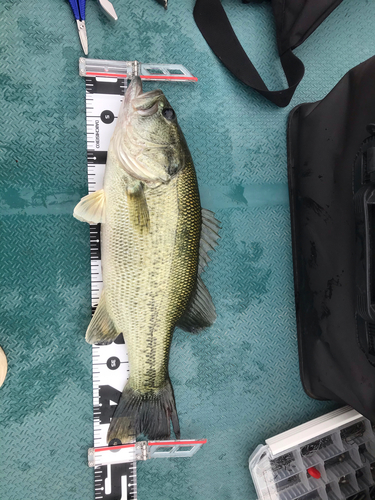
{"points": [[110, 362], [115, 464]]}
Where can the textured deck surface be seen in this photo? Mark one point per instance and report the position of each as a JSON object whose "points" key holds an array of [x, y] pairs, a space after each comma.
{"points": [[237, 383]]}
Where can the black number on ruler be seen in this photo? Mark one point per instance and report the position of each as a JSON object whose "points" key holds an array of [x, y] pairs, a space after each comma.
{"points": [[105, 409], [107, 116], [113, 363], [118, 471]]}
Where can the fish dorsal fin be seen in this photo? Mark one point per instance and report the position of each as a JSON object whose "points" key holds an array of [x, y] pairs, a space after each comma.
{"points": [[91, 208], [200, 312], [101, 329], [209, 237]]}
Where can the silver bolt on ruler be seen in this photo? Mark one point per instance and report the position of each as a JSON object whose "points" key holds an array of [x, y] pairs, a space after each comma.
{"points": [[115, 465]]}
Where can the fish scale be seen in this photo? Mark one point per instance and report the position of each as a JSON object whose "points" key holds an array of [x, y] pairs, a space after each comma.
{"points": [[114, 480], [129, 291]]}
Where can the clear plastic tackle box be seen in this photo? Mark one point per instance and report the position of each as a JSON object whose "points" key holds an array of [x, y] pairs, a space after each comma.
{"points": [[329, 458]]}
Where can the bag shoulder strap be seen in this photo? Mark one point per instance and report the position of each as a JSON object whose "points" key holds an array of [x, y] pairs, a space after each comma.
{"points": [[214, 25]]}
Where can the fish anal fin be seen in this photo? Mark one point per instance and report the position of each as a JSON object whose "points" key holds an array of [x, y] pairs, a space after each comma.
{"points": [[101, 329], [91, 208], [200, 312], [138, 209], [209, 236]]}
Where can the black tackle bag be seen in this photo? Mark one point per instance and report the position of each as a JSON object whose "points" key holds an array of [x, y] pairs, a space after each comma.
{"points": [[295, 21], [331, 175]]}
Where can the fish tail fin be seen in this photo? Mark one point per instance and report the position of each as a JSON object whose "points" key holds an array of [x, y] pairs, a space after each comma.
{"points": [[145, 413]]}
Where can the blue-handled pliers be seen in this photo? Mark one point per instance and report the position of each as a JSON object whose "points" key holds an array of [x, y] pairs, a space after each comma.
{"points": [[78, 8]]}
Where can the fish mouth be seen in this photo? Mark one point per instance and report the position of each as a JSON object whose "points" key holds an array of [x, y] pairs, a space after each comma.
{"points": [[133, 91], [135, 87], [145, 103]]}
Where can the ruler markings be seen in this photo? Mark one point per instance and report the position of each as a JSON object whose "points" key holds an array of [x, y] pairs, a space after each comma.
{"points": [[110, 363]]}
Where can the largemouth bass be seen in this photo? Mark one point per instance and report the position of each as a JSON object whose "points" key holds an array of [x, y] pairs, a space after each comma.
{"points": [[154, 243]]}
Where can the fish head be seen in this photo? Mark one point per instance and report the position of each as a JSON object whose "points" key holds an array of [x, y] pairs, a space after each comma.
{"points": [[148, 140]]}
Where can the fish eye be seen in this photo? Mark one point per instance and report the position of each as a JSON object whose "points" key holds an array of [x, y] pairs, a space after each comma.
{"points": [[169, 114]]}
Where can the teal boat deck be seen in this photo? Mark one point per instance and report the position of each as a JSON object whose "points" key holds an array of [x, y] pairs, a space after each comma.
{"points": [[238, 382]]}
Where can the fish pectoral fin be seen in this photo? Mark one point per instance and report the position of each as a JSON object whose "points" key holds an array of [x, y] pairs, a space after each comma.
{"points": [[200, 312], [209, 237], [91, 208], [101, 329], [137, 206]]}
